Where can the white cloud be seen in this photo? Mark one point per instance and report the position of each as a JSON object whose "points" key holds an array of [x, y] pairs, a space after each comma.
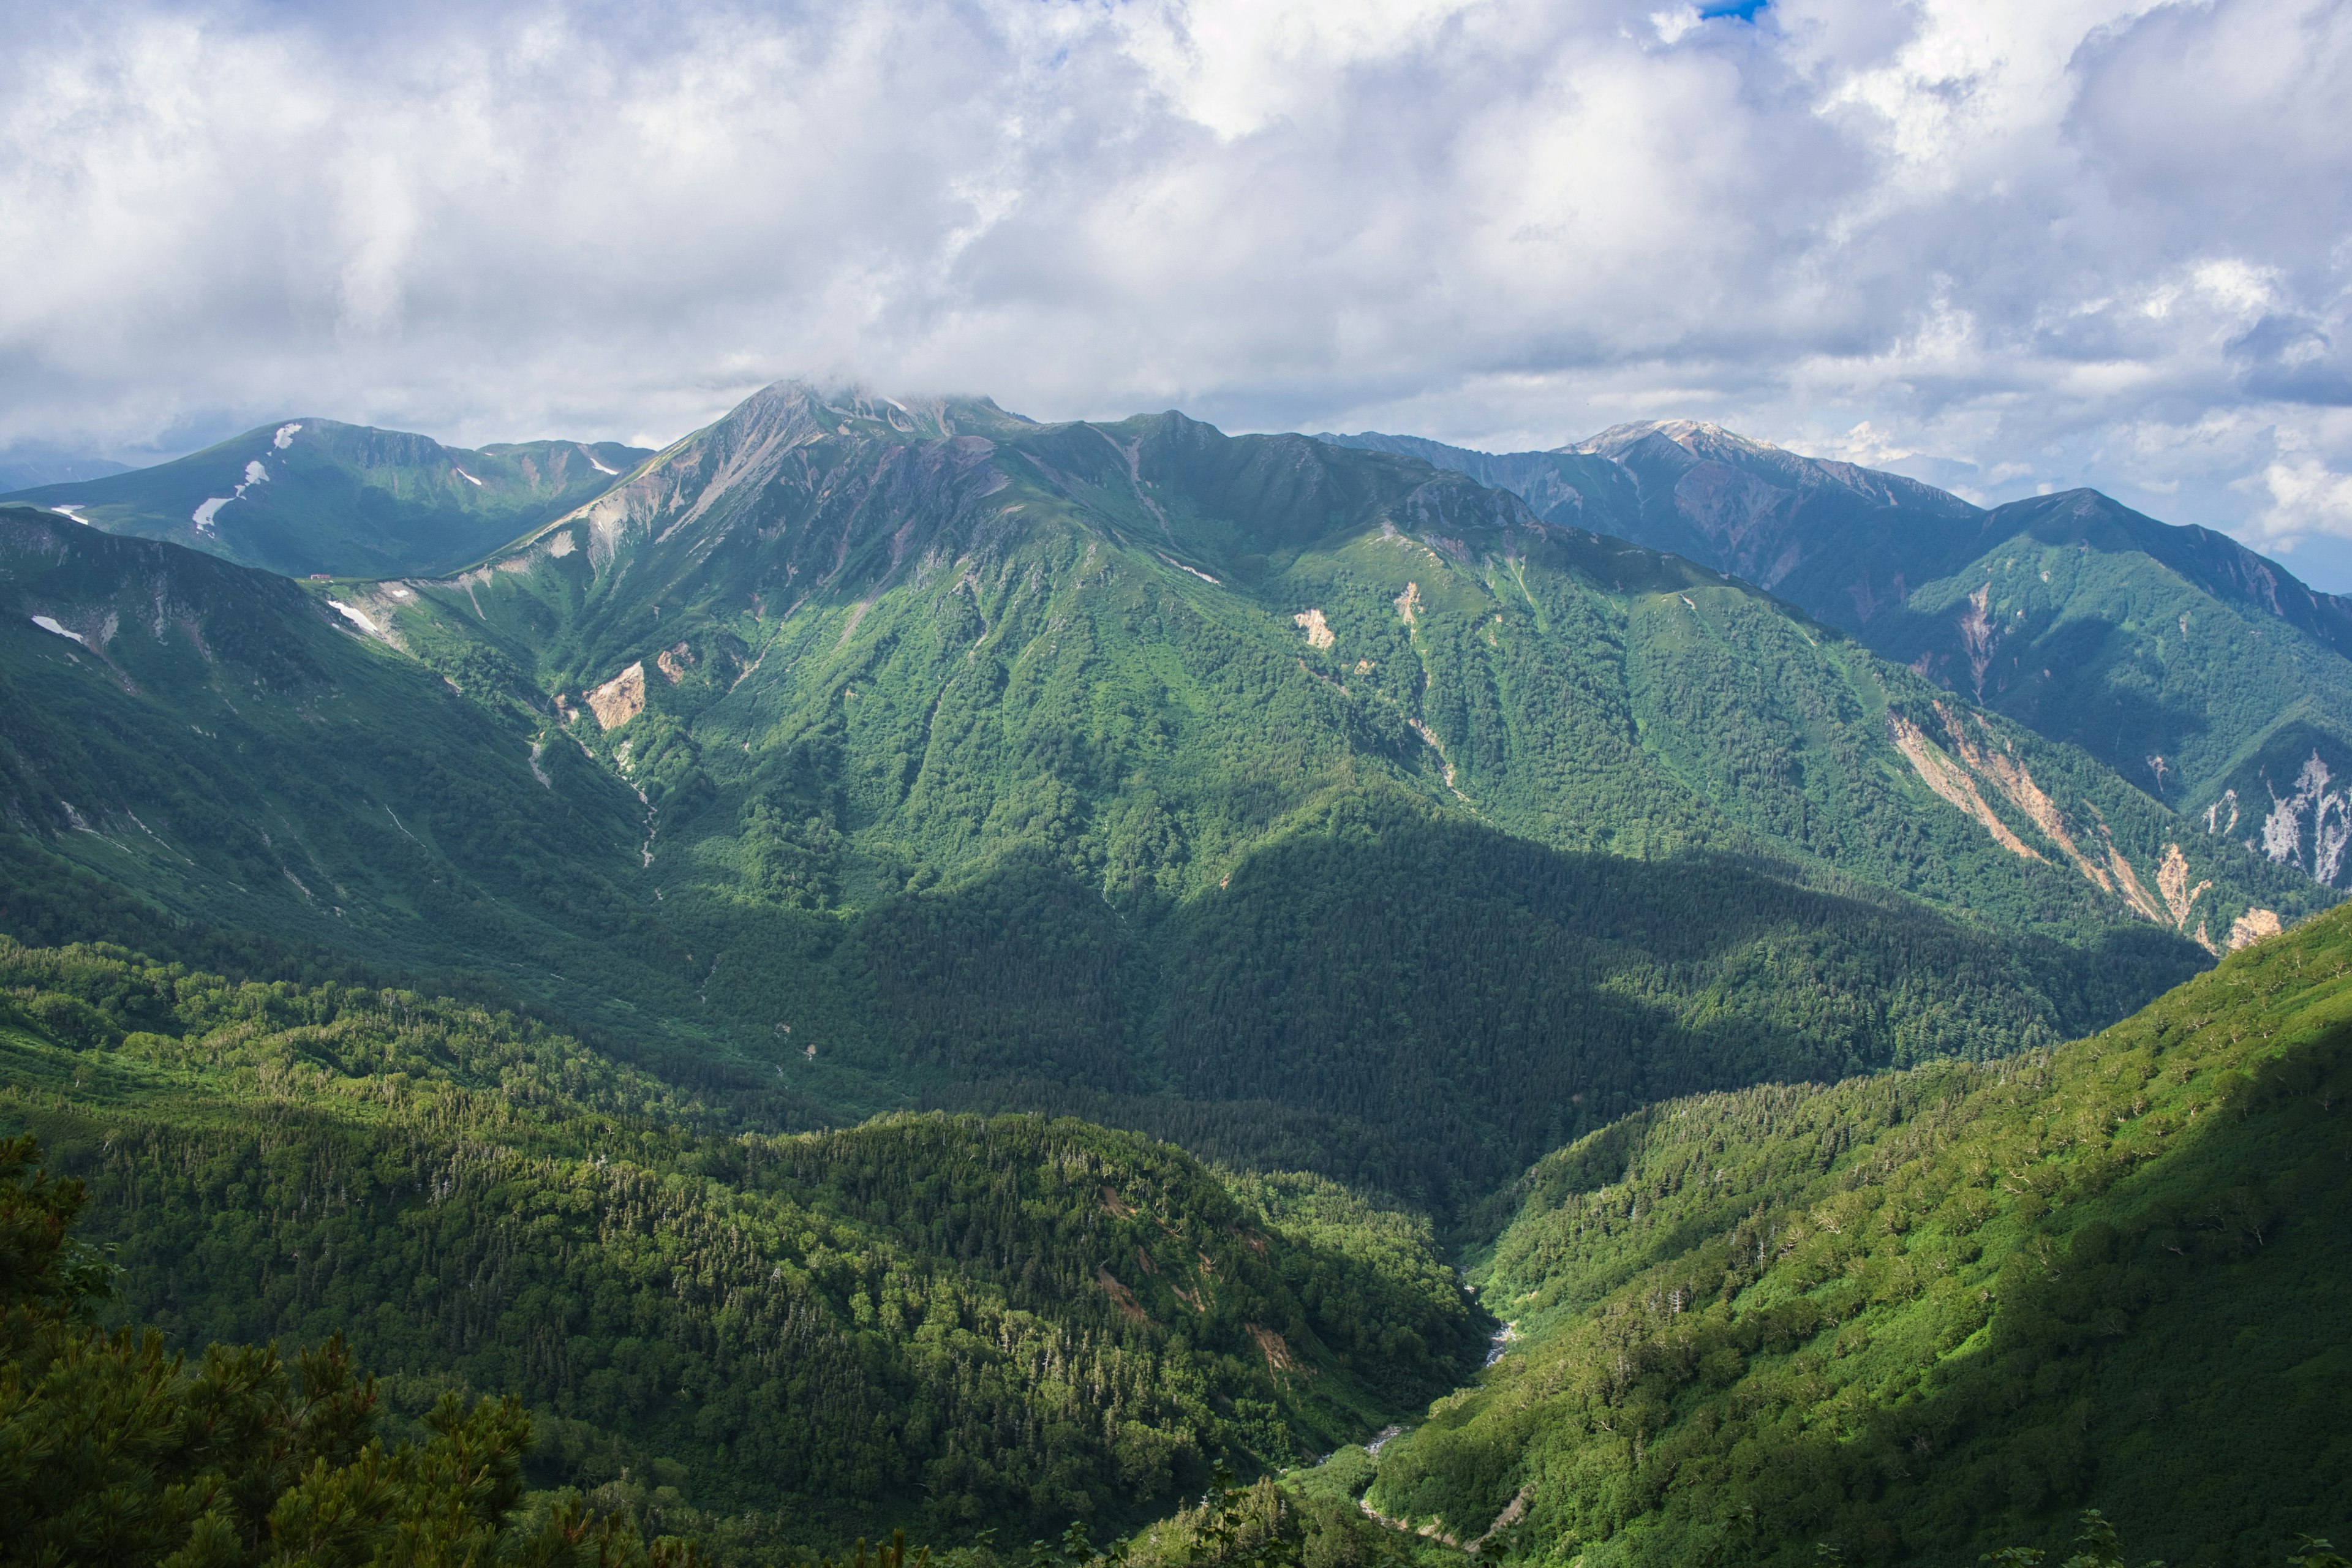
{"points": [[2003, 243]]}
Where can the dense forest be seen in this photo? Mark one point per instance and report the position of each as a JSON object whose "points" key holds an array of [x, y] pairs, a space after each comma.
{"points": [[1922, 1315], [1040, 1320]]}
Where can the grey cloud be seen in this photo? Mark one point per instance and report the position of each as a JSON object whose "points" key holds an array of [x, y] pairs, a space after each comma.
{"points": [[2291, 359]]}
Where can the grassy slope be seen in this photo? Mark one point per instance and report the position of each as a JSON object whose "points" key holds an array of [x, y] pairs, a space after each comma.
{"points": [[1924, 1315], [1037, 1320], [2203, 700]]}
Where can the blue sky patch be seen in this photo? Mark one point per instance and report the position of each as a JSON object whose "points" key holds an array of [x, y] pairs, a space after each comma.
{"points": [[1745, 10]]}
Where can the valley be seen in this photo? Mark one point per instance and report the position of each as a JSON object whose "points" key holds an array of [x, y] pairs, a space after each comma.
{"points": [[888, 941]]}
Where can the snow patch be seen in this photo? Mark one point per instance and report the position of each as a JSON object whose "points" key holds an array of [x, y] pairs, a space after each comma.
{"points": [[74, 512], [1196, 572], [594, 464], [357, 617], [466, 477], [285, 436], [47, 625], [203, 516]]}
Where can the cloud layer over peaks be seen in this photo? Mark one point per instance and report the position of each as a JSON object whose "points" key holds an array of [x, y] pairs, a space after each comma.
{"points": [[2001, 244]]}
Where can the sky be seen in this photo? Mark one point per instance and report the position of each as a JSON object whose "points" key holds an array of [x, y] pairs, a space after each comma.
{"points": [[2005, 246]]}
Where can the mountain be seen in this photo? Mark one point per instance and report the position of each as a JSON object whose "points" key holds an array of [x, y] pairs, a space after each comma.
{"points": [[1921, 1315], [1032, 1321], [312, 496], [758, 964], [1313, 807], [22, 468], [2203, 673], [218, 751], [960, 622]]}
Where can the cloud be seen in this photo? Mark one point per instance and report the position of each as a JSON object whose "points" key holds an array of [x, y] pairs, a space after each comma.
{"points": [[2021, 242]]}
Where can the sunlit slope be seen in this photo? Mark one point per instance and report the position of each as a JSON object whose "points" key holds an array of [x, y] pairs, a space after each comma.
{"points": [[2201, 673], [1026, 1320], [2098, 626], [308, 496], [834, 650], [1924, 1315]]}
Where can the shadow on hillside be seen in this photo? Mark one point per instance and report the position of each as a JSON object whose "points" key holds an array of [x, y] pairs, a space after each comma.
{"points": [[1440, 1002]]}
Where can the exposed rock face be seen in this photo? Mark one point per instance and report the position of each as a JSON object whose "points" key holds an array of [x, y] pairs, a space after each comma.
{"points": [[621, 698]]}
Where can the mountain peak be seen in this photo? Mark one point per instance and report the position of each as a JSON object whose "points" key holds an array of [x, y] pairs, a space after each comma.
{"points": [[1699, 437]]}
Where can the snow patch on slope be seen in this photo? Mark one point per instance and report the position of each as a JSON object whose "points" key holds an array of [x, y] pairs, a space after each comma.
{"points": [[47, 624], [255, 474], [359, 618]]}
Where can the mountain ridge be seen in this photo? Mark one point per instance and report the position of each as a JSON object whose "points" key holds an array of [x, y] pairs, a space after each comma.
{"points": [[2240, 709], [310, 496]]}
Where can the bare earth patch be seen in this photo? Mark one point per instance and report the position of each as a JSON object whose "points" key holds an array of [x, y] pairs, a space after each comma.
{"points": [[621, 698]]}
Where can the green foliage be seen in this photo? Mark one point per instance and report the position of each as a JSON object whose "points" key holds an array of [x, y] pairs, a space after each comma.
{"points": [[1272, 1525], [1416, 840], [114, 1449], [1040, 1320], [2198, 671], [1918, 1313]]}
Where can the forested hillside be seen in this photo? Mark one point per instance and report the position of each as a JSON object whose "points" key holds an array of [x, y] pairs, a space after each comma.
{"points": [[1446, 875], [1040, 1320], [1929, 1314], [844, 644]]}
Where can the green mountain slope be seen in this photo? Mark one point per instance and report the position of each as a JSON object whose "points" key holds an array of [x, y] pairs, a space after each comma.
{"points": [[226, 749], [1921, 1315], [1142, 646], [1285, 800], [314, 496], [2206, 675], [1378, 987], [1027, 1321]]}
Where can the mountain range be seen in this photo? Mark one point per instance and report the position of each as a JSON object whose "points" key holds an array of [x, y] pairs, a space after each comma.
{"points": [[1395, 827], [1208, 753], [2205, 674]]}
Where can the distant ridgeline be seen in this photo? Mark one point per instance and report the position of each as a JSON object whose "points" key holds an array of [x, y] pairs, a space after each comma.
{"points": [[2199, 670]]}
